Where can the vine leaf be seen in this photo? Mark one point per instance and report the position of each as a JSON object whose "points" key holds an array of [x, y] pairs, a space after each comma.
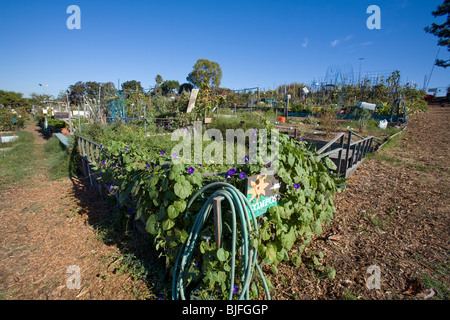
{"points": [[168, 224], [288, 239], [172, 212], [222, 254], [152, 224], [180, 206], [330, 164], [183, 189]]}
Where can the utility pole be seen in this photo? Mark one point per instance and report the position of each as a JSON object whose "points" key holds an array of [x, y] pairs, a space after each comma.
{"points": [[428, 82], [70, 116], [359, 78]]}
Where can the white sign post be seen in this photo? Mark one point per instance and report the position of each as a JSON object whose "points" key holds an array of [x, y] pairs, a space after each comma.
{"points": [[192, 99]]}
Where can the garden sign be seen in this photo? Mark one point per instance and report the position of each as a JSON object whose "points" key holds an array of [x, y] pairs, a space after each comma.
{"points": [[262, 193]]}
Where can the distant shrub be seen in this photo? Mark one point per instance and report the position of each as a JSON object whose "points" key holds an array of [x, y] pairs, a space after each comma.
{"points": [[6, 117], [240, 122]]}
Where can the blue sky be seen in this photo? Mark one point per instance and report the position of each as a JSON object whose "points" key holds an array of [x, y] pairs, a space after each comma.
{"points": [[257, 43]]}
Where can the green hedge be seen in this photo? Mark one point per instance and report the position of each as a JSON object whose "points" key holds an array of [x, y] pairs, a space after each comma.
{"points": [[6, 117]]}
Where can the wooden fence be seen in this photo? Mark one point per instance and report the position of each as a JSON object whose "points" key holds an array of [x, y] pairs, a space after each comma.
{"points": [[347, 155], [89, 152]]}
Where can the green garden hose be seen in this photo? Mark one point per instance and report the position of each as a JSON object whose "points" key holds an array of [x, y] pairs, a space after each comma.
{"points": [[239, 204]]}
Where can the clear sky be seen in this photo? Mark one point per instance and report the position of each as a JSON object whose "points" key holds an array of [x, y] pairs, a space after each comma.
{"points": [[257, 43]]}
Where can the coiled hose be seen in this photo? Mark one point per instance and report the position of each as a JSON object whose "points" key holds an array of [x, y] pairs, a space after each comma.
{"points": [[240, 205]]}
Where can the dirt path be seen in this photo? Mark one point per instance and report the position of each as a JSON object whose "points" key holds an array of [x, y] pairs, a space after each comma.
{"points": [[394, 215], [46, 227]]}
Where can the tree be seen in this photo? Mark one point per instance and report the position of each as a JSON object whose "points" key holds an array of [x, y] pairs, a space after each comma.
{"points": [[76, 92], [159, 79], [108, 89], [205, 71], [38, 99], [92, 88], [170, 86], [442, 31], [13, 99], [185, 87], [132, 85]]}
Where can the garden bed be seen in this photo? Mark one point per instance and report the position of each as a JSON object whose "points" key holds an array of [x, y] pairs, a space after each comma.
{"points": [[146, 179]]}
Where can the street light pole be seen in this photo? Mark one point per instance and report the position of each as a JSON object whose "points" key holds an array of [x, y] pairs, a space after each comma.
{"points": [[359, 78]]}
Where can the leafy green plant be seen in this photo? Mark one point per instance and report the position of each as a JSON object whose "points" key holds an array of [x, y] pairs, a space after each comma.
{"points": [[156, 190], [57, 123], [363, 115], [307, 202]]}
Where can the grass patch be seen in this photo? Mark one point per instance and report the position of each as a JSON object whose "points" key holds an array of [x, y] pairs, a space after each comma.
{"points": [[384, 154], [371, 128], [18, 163], [386, 158], [348, 295], [441, 289], [58, 159], [379, 220], [438, 278]]}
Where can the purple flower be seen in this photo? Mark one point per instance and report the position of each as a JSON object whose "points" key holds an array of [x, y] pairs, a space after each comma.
{"points": [[130, 212], [200, 165], [302, 139], [163, 152], [246, 159], [111, 187], [254, 132], [268, 164], [232, 171], [115, 165], [191, 170], [296, 185], [101, 146], [235, 290], [103, 162], [148, 166], [126, 149], [242, 175], [174, 155]]}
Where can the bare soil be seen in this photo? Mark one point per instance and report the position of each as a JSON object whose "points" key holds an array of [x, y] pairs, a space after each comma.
{"points": [[394, 214]]}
